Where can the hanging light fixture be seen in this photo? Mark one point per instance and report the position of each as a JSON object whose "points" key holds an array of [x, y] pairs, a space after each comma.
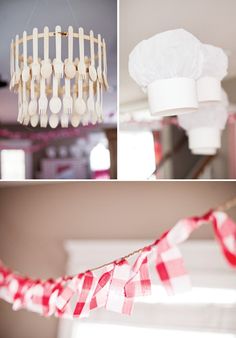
{"points": [[53, 92], [204, 127], [215, 64], [167, 67]]}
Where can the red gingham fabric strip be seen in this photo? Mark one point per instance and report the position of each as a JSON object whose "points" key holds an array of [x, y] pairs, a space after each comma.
{"points": [[99, 297], [139, 283], [169, 261], [225, 231], [116, 300], [171, 270], [83, 303], [73, 286], [57, 289]]}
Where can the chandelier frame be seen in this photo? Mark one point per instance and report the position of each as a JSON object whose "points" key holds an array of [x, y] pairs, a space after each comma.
{"points": [[86, 84]]}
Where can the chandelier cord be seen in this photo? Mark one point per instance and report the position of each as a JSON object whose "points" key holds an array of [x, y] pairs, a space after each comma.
{"points": [[71, 12], [31, 14], [36, 5], [229, 204]]}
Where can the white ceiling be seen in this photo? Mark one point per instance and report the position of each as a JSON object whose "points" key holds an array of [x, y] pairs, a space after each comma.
{"points": [[19, 15], [212, 21]]}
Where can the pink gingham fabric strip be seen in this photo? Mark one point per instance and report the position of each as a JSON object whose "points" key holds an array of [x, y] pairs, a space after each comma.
{"points": [[84, 297], [72, 287], [100, 295], [116, 300], [225, 231], [169, 261], [171, 270], [139, 283]]}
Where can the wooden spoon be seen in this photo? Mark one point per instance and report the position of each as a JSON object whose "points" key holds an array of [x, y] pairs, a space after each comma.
{"points": [[26, 70], [90, 101], [12, 66], [17, 68], [92, 69], [20, 107], [46, 69], [100, 117], [81, 65], [98, 104], [99, 69], [25, 102], [75, 118], [34, 120], [70, 69], [105, 81], [55, 102], [35, 67], [53, 121]]}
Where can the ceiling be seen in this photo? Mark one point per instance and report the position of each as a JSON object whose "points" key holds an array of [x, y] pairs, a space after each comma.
{"points": [[211, 21], [19, 15]]}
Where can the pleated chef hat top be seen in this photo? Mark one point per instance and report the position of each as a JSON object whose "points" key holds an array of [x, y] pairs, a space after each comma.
{"points": [[167, 65], [215, 64], [204, 126], [174, 53]]}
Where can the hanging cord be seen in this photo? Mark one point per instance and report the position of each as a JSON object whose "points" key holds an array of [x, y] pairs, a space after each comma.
{"points": [[31, 14], [229, 204], [71, 12], [36, 6]]}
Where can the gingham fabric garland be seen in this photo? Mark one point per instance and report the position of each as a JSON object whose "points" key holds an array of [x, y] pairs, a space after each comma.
{"points": [[119, 282]]}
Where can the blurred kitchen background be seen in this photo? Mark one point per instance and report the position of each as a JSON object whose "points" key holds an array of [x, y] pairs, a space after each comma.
{"points": [[152, 149], [33, 153]]}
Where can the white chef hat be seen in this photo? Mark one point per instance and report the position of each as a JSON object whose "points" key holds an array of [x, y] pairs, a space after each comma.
{"points": [[215, 64], [168, 65], [204, 127]]}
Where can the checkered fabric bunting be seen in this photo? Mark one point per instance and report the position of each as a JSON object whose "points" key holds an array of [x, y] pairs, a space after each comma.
{"points": [[119, 282]]}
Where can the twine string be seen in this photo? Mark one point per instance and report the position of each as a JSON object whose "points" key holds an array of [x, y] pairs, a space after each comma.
{"points": [[229, 204]]}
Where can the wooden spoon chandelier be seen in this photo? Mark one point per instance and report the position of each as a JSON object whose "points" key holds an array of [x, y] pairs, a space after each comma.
{"points": [[59, 92]]}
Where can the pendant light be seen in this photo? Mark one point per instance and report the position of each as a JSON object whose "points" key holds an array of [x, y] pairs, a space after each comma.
{"points": [[167, 66], [52, 90], [204, 127], [215, 64]]}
